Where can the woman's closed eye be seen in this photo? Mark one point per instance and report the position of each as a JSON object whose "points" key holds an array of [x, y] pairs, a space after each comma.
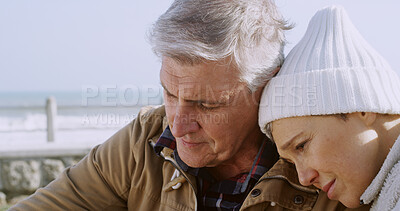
{"points": [[300, 147]]}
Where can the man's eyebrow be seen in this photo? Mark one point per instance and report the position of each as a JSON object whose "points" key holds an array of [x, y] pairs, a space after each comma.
{"points": [[165, 88], [193, 101], [290, 142]]}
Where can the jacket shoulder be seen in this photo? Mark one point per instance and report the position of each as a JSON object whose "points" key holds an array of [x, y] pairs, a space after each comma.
{"points": [[149, 124], [151, 111]]}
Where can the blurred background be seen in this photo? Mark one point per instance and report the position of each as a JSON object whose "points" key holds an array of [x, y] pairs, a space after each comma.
{"points": [[93, 57]]}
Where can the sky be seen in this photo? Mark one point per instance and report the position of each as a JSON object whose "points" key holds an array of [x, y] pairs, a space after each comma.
{"points": [[59, 45]]}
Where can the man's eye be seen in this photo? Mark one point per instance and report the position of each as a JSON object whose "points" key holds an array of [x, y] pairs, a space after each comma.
{"points": [[208, 106]]}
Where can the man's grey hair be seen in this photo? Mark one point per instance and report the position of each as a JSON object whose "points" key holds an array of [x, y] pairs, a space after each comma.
{"points": [[249, 32]]}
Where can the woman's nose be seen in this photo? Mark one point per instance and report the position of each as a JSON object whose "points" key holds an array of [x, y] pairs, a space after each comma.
{"points": [[307, 176]]}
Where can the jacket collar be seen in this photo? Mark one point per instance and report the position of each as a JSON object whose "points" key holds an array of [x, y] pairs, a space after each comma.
{"points": [[287, 171], [280, 186], [168, 155]]}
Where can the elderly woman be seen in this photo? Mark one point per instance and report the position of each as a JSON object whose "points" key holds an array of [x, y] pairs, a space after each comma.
{"points": [[333, 110]]}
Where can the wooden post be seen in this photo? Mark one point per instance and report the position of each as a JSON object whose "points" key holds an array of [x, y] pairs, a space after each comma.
{"points": [[51, 111]]}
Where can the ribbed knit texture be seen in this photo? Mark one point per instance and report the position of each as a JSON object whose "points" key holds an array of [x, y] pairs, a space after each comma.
{"points": [[331, 70]]}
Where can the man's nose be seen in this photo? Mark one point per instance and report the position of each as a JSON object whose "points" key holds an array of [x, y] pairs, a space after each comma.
{"points": [[184, 121], [307, 176]]}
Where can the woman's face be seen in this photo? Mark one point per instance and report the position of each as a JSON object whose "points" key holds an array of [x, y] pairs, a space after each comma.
{"points": [[341, 157]]}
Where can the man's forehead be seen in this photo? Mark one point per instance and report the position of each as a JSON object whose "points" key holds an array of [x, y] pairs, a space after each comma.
{"points": [[196, 91], [196, 84], [207, 76], [220, 71]]}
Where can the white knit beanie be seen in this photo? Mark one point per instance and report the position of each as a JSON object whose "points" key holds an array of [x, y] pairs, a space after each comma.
{"points": [[331, 70]]}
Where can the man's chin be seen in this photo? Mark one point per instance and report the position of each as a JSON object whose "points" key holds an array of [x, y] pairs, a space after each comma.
{"points": [[194, 158], [193, 162], [196, 161]]}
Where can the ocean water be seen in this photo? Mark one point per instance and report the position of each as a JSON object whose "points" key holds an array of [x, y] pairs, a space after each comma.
{"points": [[82, 118]]}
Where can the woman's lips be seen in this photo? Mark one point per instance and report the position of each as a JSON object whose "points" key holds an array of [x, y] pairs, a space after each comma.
{"points": [[329, 188]]}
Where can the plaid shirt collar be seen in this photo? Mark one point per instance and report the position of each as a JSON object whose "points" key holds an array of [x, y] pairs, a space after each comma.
{"points": [[266, 158], [168, 140]]}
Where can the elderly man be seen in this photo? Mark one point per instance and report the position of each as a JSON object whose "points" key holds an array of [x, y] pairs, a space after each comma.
{"points": [[203, 150]]}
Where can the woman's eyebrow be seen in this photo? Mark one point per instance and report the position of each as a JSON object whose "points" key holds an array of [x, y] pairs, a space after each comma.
{"points": [[286, 145]]}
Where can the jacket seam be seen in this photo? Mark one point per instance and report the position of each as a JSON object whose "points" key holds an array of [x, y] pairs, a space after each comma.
{"points": [[119, 198]]}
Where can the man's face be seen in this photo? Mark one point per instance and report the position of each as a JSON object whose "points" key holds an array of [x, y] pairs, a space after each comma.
{"points": [[211, 114]]}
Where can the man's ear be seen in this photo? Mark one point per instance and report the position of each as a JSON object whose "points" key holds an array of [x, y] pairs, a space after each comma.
{"points": [[368, 117], [274, 72]]}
